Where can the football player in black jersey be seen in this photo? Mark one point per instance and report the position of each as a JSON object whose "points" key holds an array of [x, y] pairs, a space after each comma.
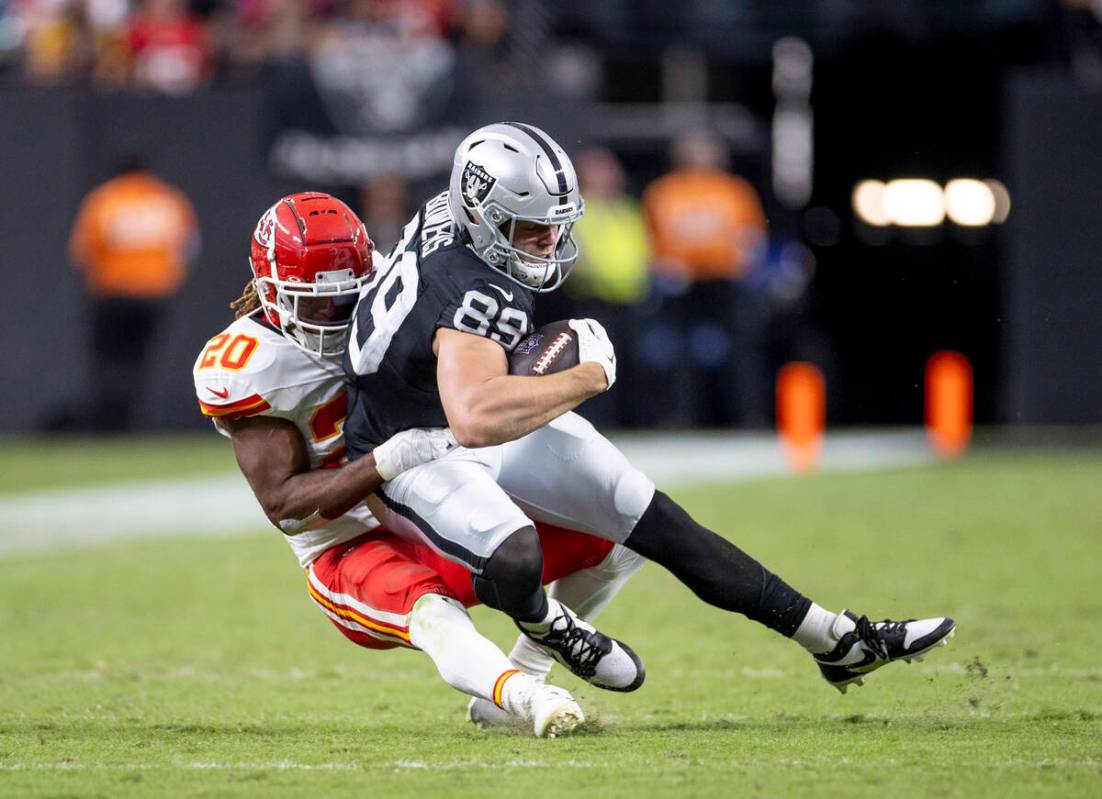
{"points": [[429, 348]]}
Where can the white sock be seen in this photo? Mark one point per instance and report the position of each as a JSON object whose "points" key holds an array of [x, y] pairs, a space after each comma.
{"points": [[554, 610], [588, 592], [530, 659], [440, 627], [816, 632], [515, 692]]}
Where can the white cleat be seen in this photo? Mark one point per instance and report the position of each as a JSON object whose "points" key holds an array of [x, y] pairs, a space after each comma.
{"points": [[484, 714], [550, 711], [553, 712]]}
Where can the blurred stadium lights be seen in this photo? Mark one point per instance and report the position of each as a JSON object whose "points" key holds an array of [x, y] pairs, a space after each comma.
{"points": [[919, 202], [914, 202], [1002, 200], [868, 203], [969, 202]]}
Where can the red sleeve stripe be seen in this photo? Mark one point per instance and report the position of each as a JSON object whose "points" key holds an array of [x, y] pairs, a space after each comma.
{"points": [[235, 410]]}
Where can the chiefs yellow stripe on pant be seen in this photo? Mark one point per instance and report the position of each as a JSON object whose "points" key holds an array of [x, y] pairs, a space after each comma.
{"points": [[359, 618]]}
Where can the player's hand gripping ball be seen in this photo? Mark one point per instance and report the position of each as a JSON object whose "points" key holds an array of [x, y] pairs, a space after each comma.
{"points": [[560, 345], [549, 349]]}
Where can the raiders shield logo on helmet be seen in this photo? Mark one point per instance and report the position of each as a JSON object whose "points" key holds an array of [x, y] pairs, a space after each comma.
{"points": [[477, 183]]}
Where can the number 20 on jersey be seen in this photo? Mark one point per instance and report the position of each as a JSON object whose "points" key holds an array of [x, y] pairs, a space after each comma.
{"points": [[231, 353]]}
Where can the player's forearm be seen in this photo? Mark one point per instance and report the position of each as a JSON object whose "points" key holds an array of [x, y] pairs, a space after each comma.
{"points": [[505, 408], [309, 499]]}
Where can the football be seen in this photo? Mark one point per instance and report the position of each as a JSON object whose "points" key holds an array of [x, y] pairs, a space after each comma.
{"points": [[544, 351]]}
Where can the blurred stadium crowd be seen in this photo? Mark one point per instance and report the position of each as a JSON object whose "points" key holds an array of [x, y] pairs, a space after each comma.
{"points": [[176, 46], [670, 106]]}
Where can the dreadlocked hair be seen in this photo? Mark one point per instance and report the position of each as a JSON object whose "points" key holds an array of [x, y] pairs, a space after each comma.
{"points": [[247, 303]]}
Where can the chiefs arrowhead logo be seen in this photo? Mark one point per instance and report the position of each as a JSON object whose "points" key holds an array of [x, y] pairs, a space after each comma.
{"points": [[265, 228], [476, 183]]}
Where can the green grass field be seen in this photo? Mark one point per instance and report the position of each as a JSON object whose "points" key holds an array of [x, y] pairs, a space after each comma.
{"points": [[198, 667]]}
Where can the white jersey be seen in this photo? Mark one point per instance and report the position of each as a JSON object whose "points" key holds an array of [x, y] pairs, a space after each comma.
{"points": [[250, 369]]}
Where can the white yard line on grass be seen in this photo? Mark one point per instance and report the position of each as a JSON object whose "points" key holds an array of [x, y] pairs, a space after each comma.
{"points": [[49, 520], [812, 761]]}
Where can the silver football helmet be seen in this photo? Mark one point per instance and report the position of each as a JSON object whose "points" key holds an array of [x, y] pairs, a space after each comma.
{"points": [[508, 173]]}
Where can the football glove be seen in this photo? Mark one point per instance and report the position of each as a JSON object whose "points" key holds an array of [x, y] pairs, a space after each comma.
{"points": [[411, 448], [594, 345]]}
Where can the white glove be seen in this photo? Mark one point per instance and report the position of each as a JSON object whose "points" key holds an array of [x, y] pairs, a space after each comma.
{"points": [[411, 448], [593, 345]]}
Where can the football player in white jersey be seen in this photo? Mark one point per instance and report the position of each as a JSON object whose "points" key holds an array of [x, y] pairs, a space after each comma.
{"points": [[436, 326], [271, 382]]}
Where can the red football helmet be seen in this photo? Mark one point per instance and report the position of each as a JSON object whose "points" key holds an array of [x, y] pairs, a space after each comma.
{"points": [[310, 256]]}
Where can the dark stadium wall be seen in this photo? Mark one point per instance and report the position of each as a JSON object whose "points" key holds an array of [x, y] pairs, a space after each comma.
{"points": [[59, 144], [41, 179], [1052, 287]]}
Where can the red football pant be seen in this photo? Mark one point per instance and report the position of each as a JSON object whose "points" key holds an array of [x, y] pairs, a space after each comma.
{"points": [[368, 586]]}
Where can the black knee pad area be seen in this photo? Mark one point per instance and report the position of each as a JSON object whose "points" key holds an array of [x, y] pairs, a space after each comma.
{"points": [[511, 578], [519, 558]]}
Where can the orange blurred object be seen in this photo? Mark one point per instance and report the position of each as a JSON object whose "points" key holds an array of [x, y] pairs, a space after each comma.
{"points": [[133, 236], [801, 413], [948, 402]]}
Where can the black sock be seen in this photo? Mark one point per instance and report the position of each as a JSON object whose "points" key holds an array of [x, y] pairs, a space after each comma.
{"points": [[715, 569]]}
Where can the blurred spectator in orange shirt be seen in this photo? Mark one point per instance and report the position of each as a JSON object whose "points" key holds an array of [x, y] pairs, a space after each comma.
{"points": [[705, 223], [133, 237], [707, 343], [168, 48]]}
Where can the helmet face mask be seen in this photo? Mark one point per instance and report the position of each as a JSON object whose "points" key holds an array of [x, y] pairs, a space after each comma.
{"points": [[310, 257], [510, 173], [314, 316], [537, 272]]}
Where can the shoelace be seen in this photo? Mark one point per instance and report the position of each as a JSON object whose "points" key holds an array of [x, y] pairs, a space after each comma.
{"points": [[575, 644], [871, 636]]}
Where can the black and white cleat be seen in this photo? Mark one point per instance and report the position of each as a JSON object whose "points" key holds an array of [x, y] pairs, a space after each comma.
{"points": [[596, 658], [864, 646]]}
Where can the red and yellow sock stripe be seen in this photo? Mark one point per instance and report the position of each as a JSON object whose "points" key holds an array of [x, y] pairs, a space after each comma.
{"points": [[499, 685]]}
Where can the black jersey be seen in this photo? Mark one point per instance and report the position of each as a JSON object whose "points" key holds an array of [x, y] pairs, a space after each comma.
{"points": [[431, 280]]}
